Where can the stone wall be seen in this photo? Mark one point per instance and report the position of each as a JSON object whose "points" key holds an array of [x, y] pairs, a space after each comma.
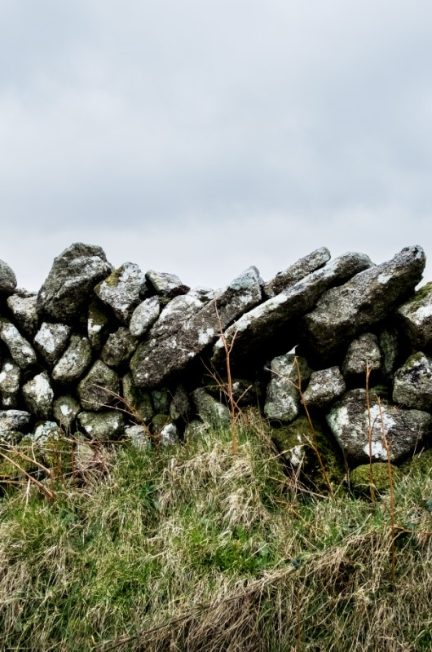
{"points": [[105, 353]]}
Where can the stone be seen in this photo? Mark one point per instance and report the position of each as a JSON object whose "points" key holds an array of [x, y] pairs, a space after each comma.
{"points": [[74, 362], [66, 409], [10, 375], [39, 395], [325, 386], [296, 272], [105, 425], [388, 341], [267, 328], [169, 435], [122, 290], [138, 436], [283, 400], [8, 280], [367, 478], [137, 402], [97, 324], [166, 285], [119, 347], [23, 309], [363, 353], [195, 430], [99, 388], [71, 280], [176, 339], [144, 316], [366, 299], [45, 433], [179, 407], [416, 318], [161, 399], [209, 410], [412, 386], [51, 340], [360, 432], [20, 350], [13, 420]]}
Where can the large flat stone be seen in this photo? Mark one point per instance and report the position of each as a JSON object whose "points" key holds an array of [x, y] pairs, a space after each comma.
{"points": [[295, 272]]}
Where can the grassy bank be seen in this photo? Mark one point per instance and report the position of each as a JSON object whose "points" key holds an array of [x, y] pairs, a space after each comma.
{"points": [[194, 548]]}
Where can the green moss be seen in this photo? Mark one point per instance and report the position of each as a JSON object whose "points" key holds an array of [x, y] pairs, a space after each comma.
{"points": [[16, 461], [418, 464], [114, 278], [159, 422], [376, 475], [423, 293]]}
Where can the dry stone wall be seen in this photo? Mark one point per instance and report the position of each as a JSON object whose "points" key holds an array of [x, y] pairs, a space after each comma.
{"points": [[103, 353]]}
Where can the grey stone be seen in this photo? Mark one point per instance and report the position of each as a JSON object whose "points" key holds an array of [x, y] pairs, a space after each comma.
{"points": [[167, 285], [137, 402], [161, 400], [416, 318], [39, 395], [119, 347], [296, 272], [8, 280], [413, 383], [169, 435], [389, 344], [210, 410], [177, 339], [144, 316], [13, 420], [21, 351], [283, 399], [102, 425], [23, 309], [65, 410], [195, 430], [325, 386], [122, 290], [47, 431], [180, 405], [97, 324], [51, 340], [138, 436], [260, 328], [71, 280], [353, 426], [99, 388], [344, 311], [74, 361], [363, 353], [10, 376]]}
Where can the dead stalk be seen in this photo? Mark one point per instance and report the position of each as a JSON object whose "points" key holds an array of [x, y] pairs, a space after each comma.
{"points": [[369, 434], [391, 495], [229, 385]]}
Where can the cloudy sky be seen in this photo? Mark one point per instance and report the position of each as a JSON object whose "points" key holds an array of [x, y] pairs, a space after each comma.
{"points": [[202, 136]]}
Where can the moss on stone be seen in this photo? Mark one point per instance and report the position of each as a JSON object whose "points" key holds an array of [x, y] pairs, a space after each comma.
{"points": [[375, 475], [159, 422], [418, 464], [114, 278], [423, 293]]}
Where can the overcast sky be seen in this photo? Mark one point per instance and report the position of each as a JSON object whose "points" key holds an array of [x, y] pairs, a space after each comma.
{"points": [[203, 136]]}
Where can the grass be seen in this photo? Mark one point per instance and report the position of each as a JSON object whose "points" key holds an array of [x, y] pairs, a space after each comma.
{"points": [[194, 548]]}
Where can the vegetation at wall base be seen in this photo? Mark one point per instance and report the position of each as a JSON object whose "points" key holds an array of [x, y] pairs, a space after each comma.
{"points": [[192, 547]]}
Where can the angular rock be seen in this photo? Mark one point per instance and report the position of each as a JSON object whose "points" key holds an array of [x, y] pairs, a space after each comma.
{"points": [[99, 388], [23, 309], [39, 395], [138, 436], [122, 290], [47, 431], [119, 347], [209, 410], [102, 425], [137, 402], [176, 339], [296, 272], [10, 375], [51, 340], [413, 383], [144, 316], [353, 426], [389, 345], [416, 318], [363, 353], [161, 399], [71, 280], [65, 410], [180, 405], [21, 351], [325, 386], [283, 396], [74, 361], [97, 324], [13, 420], [8, 280], [169, 435], [266, 328], [344, 311], [167, 285]]}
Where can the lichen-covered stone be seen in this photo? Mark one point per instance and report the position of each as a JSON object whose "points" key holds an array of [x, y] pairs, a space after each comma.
{"points": [[362, 434], [65, 410], [23, 309], [144, 316], [412, 386], [363, 353], [10, 375], [344, 311], [416, 318], [12, 421], [169, 435], [374, 477], [39, 395], [71, 280], [180, 405], [105, 425], [165, 284], [46, 432], [195, 430], [136, 400], [97, 324], [20, 350], [325, 386], [74, 361], [119, 347], [122, 290], [296, 272], [99, 388], [138, 436], [288, 373], [161, 399], [51, 340], [210, 410], [8, 280], [389, 345]]}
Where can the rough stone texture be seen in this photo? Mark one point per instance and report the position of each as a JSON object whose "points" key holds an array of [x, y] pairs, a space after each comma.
{"points": [[136, 401], [161, 399], [39, 395], [23, 309], [167, 285], [413, 383], [262, 327], [416, 318], [51, 340], [119, 347], [325, 386], [389, 345], [99, 387], [296, 272], [210, 410], [180, 405], [169, 435], [144, 316], [363, 301], [122, 290], [105, 425], [154, 360], [97, 324], [20, 350], [65, 410], [47, 431], [8, 280], [138, 436], [10, 376], [13, 420], [363, 353], [74, 361], [403, 429], [283, 396], [73, 276]]}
